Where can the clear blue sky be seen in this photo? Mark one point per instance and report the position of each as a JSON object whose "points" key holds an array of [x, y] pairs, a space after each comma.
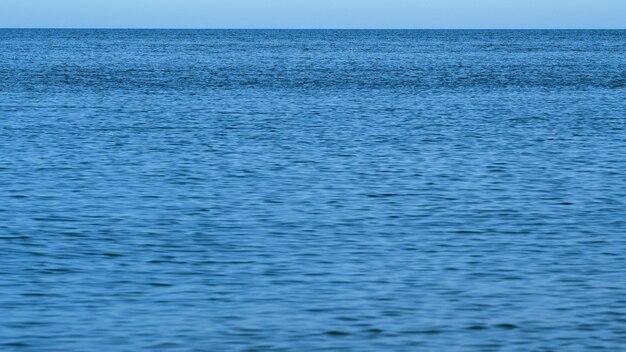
{"points": [[314, 13]]}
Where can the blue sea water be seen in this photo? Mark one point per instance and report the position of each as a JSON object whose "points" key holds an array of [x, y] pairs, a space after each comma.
{"points": [[312, 190]]}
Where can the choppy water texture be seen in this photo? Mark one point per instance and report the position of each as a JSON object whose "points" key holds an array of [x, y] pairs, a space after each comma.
{"points": [[312, 190]]}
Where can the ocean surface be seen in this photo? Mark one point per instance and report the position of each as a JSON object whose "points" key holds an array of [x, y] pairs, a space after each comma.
{"points": [[312, 190]]}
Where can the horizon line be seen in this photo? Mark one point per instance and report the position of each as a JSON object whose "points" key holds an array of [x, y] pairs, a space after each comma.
{"points": [[317, 29]]}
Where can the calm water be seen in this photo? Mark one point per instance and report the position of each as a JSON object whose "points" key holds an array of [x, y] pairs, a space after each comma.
{"points": [[312, 190]]}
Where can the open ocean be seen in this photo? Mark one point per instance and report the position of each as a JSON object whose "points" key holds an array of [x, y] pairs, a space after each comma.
{"points": [[218, 190]]}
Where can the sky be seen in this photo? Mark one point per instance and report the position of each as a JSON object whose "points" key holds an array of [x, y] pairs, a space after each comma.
{"points": [[313, 14]]}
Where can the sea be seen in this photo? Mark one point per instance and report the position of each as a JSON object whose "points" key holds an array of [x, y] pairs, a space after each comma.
{"points": [[312, 190]]}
